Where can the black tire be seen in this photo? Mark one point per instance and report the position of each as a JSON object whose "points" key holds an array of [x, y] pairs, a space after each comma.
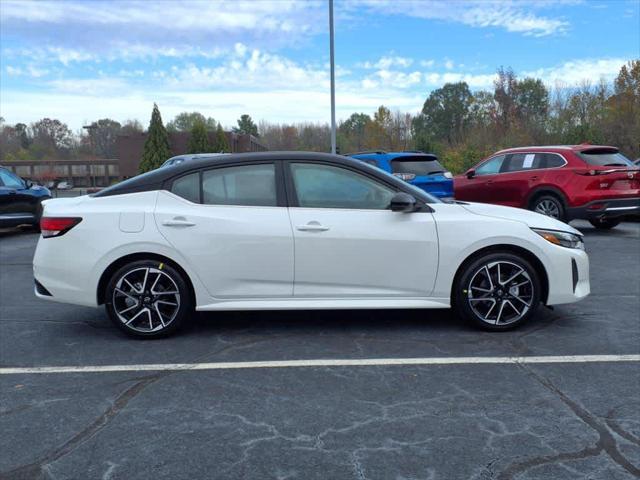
{"points": [[549, 204], [160, 319], [464, 296], [604, 223]]}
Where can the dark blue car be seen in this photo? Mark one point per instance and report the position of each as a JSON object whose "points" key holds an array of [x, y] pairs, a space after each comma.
{"points": [[20, 200], [417, 168]]}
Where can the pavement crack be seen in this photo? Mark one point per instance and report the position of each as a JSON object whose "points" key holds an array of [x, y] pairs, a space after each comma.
{"points": [[37, 468], [606, 442], [615, 427]]}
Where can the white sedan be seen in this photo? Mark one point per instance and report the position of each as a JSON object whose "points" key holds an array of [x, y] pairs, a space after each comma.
{"points": [[293, 230]]}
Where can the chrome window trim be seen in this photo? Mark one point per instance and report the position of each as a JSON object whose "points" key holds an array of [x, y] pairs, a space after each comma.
{"points": [[528, 169]]}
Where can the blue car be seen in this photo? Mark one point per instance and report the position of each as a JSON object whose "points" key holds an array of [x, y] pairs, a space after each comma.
{"points": [[417, 168]]}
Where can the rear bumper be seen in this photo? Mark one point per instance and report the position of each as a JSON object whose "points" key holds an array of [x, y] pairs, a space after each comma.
{"points": [[607, 208]]}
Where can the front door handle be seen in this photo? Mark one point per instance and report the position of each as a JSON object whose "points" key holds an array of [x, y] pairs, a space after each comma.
{"points": [[178, 222], [312, 227], [534, 178]]}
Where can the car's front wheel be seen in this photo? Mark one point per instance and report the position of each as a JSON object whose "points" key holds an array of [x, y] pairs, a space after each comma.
{"points": [[148, 299], [604, 223], [497, 291]]}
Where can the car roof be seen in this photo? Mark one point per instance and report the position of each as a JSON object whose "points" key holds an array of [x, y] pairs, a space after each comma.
{"points": [[573, 148], [193, 156], [155, 179], [392, 155]]}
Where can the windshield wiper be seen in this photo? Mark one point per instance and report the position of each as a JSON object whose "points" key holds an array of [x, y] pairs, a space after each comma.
{"points": [[615, 165]]}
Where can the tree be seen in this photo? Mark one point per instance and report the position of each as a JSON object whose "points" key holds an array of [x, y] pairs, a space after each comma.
{"points": [[446, 113], [156, 147], [185, 121], [131, 127], [246, 125], [198, 139], [103, 135], [220, 144], [52, 135], [353, 130]]}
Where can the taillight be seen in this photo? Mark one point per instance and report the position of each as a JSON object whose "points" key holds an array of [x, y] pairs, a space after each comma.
{"points": [[56, 226], [405, 176]]}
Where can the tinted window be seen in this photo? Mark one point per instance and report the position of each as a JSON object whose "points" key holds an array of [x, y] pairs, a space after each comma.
{"points": [[491, 166], [249, 185], [10, 180], [553, 161], [325, 186], [419, 165], [605, 158], [188, 187], [522, 161]]}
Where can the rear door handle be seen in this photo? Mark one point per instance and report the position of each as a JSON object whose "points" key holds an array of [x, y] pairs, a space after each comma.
{"points": [[312, 227], [178, 222], [535, 177]]}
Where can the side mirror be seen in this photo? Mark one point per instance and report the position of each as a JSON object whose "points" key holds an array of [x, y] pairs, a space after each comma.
{"points": [[470, 173], [28, 184], [403, 202]]}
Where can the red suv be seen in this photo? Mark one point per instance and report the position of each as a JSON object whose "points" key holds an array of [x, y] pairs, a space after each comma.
{"points": [[596, 183]]}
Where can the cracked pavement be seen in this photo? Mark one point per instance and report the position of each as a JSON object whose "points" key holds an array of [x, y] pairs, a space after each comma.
{"points": [[376, 422]]}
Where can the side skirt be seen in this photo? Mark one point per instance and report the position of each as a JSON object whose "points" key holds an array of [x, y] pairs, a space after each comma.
{"points": [[325, 304]]}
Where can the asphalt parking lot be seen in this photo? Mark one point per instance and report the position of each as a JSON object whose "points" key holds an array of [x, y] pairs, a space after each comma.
{"points": [[387, 421]]}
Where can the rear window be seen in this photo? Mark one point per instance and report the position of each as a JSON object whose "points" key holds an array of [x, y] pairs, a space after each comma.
{"points": [[605, 158], [418, 165]]}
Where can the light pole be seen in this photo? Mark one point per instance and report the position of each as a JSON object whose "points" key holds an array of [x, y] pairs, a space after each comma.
{"points": [[333, 80]]}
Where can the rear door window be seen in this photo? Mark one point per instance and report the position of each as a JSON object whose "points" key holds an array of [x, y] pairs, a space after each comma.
{"points": [[522, 161], [417, 165], [551, 160], [248, 185], [187, 187]]}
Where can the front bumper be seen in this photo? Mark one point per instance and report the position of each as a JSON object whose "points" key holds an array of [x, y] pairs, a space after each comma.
{"points": [[568, 277], [607, 208]]}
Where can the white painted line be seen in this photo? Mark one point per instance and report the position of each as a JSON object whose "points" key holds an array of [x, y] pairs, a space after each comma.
{"points": [[361, 362]]}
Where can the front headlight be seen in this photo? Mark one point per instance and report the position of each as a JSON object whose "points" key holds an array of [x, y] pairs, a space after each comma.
{"points": [[564, 239]]}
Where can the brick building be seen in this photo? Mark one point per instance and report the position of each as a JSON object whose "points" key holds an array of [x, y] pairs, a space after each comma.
{"points": [[104, 172]]}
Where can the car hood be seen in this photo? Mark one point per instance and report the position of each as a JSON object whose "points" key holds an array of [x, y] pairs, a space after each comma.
{"points": [[532, 219]]}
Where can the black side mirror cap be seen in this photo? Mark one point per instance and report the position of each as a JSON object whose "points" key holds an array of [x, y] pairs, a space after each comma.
{"points": [[403, 202], [471, 173], [28, 184]]}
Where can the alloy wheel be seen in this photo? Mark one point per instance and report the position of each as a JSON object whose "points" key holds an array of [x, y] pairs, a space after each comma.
{"points": [[146, 299], [548, 207], [500, 293]]}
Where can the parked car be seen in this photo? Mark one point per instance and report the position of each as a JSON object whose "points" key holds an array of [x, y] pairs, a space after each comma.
{"points": [[420, 169], [64, 185], [298, 230], [591, 182], [178, 159], [20, 200]]}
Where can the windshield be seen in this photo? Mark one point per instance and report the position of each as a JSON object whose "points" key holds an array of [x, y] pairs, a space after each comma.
{"points": [[418, 165], [605, 158]]}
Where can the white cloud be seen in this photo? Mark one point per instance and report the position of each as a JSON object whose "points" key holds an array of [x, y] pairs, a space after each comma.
{"points": [[574, 72], [427, 63], [388, 61], [448, 64], [513, 16]]}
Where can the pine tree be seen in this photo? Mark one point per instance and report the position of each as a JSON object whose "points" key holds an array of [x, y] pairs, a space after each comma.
{"points": [[199, 138], [156, 146], [221, 145]]}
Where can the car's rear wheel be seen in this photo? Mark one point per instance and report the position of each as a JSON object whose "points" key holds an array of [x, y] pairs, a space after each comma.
{"points": [[604, 223], [148, 299], [549, 205], [497, 291]]}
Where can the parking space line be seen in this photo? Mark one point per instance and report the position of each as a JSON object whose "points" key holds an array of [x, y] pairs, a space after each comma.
{"points": [[360, 362]]}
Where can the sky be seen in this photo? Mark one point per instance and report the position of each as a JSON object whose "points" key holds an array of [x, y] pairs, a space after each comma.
{"points": [[84, 60]]}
